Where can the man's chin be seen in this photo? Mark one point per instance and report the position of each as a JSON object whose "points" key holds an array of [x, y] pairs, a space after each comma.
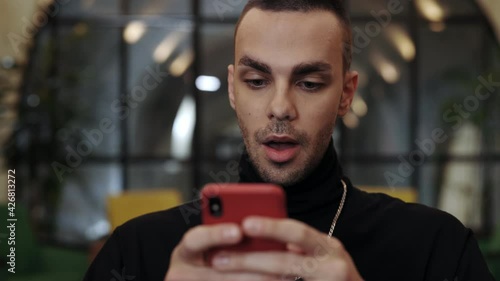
{"points": [[281, 174]]}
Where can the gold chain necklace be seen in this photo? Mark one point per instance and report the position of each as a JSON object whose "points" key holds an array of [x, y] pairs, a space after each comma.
{"points": [[337, 215], [341, 206]]}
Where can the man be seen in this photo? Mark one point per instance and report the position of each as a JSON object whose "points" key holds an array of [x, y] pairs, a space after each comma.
{"points": [[290, 81]]}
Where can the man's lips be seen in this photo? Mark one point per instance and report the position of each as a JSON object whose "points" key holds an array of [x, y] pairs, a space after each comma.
{"points": [[280, 149]]}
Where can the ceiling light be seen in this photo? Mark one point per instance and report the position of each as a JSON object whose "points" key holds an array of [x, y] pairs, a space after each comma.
{"points": [[386, 69], [431, 10], [402, 41], [351, 121], [134, 31], [208, 83], [167, 47], [359, 106], [182, 63]]}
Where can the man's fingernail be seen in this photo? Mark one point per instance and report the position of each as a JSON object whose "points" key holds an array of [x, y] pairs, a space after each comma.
{"points": [[221, 260], [230, 233], [252, 225]]}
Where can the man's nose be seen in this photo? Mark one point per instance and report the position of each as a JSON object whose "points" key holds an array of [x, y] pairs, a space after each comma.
{"points": [[282, 105]]}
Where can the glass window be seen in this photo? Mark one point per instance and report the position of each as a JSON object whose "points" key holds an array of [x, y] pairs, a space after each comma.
{"points": [[160, 93], [448, 86], [377, 175], [88, 65], [163, 174], [218, 123], [462, 191], [430, 175], [155, 7], [81, 212], [379, 121], [461, 188]]}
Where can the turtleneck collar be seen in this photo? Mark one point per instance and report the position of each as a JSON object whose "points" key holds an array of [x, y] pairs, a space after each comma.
{"points": [[319, 193]]}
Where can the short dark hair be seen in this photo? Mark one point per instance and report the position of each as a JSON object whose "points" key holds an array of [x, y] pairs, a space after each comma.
{"points": [[334, 6]]}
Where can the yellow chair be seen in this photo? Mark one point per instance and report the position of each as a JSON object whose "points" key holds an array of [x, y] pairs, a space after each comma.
{"points": [[131, 204], [407, 194]]}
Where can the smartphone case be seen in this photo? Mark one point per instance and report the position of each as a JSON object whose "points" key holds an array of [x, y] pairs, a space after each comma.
{"points": [[239, 201]]}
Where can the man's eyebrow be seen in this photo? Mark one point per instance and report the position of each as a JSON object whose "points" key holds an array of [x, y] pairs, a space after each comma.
{"points": [[308, 68], [260, 66]]}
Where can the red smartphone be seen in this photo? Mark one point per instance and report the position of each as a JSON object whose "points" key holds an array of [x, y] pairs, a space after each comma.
{"points": [[232, 202]]}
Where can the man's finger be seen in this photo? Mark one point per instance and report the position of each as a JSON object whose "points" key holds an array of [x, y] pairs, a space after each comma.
{"points": [[201, 238], [294, 232], [294, 249], [272, 263], [284, 264]]}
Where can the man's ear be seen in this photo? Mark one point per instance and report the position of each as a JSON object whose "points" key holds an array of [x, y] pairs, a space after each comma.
{"points": [[230, 85], [350, 86]]}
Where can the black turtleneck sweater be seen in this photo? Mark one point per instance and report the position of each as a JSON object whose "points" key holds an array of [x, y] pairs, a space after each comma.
{"points": [[386, 238]]}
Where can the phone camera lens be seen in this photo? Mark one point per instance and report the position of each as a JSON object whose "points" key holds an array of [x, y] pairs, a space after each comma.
{"points": [[215, 205]]}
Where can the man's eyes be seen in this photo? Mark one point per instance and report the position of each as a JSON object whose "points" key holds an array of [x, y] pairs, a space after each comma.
{"points": [[308, 86], [256, 83]]}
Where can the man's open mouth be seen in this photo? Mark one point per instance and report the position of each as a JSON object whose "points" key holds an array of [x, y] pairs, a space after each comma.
{"points": [[281, 145], [280, 149]]}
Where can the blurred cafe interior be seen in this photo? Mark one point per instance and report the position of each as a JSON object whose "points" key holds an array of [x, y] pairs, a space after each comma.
{"points": [[93, 145]]}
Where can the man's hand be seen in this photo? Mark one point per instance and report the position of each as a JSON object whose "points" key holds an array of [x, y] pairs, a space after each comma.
{"points": [[312, 255], [187, 261]]}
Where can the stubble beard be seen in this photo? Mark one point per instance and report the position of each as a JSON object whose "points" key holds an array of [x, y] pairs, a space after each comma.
{"points": [[286, 174]]}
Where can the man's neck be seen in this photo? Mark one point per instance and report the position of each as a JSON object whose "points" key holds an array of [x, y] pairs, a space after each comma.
{"points": [[320, 189]]}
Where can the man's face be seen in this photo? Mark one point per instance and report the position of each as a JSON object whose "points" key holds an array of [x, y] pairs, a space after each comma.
{"points": [[287, 87]]}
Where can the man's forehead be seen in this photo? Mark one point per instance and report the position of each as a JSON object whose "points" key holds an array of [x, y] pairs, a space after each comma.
{"points": [[260, 27], [257, 18], [283, 40]]}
